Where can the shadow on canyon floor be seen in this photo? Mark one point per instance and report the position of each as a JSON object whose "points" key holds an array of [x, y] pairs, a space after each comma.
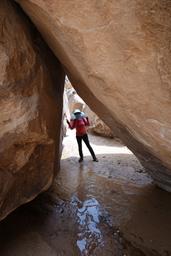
{"points": [[105, 208]]}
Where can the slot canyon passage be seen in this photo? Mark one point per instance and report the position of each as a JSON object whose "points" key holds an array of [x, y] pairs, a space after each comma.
{"points": [[117, 56]]}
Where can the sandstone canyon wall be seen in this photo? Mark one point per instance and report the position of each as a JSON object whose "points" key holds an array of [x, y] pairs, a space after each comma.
{"points": [[117, 55], [31, 89]]}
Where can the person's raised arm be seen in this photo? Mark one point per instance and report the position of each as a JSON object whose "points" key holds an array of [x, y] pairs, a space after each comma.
{"points": [[86, 121], [71, 123]]}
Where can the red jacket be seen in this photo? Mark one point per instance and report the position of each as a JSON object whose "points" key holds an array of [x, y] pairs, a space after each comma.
{"points": [[79, 125]]}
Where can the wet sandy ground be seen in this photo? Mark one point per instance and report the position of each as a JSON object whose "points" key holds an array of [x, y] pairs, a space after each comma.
{"points": [[105, 208]]}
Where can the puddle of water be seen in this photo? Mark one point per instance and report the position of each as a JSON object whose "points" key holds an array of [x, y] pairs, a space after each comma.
{"points": [[109, 208], [113, 190], [88, 219]]}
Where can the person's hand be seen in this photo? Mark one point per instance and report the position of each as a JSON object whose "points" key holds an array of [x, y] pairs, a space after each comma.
{"points": [[65, 116]]}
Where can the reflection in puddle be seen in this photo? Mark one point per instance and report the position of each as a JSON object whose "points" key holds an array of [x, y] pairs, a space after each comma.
{"points": [[109, 208], [88, 218]]}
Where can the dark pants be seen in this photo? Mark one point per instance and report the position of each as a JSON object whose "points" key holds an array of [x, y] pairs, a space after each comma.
{"points": [[86, 141]]}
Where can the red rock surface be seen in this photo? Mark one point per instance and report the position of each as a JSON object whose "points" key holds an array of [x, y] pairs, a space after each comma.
{"points": [[31, 88], [117, 56]]}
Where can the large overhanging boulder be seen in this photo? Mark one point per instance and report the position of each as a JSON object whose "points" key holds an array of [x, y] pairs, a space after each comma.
{"points": [[117, 55], [31, 88]]}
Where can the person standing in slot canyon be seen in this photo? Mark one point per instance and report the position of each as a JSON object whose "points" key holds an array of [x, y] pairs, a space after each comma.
{"points": [[79, 122]]}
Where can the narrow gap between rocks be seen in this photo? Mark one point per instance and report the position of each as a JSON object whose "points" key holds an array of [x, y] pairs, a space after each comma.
{"points": [[99, 192]]}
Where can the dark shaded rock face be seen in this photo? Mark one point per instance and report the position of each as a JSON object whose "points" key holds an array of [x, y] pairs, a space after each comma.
{"points": [[31, 89], [117, 56]]}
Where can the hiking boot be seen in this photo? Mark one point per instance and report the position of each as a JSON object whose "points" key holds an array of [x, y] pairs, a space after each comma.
{"points": [[80, 160], [95, 160]]}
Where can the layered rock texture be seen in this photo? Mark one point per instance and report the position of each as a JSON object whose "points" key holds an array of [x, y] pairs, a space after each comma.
{"points": [[101, 128], [31, 89], [117, 55]]}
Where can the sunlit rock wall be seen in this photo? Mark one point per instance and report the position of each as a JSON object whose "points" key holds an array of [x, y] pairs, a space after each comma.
{"points": [[118, 56]]}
